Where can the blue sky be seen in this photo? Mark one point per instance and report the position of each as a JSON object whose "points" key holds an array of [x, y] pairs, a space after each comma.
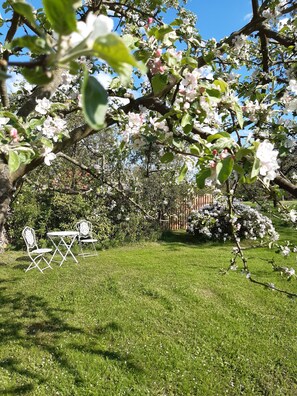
{"points": [[219, 18], [216, 18]]}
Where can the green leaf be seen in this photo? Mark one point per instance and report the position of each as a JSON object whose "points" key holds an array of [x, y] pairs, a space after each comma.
{"points": [[13, 161], [61, 15], [142, 55], [239, 115], [113, 50], [189, 61], [130, 41], [217, 136], [243, 152], [256, 168], [35, 44], [26, 10], [159, 32], [237, 168], [222, 84], [224, 143], [183, 172], [177, 22], [14, 120], [186, 120], [159, 82], [167, 157], [94, 101], [214, 93], [195, 150], [202, 176], [226, 169], [37, 76]]}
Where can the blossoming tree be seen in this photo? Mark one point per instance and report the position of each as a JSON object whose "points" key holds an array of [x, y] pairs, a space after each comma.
{"points": [[226, 107]]}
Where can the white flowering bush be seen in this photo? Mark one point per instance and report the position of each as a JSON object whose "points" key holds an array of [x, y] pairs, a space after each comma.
{"points": [[213, 222]]}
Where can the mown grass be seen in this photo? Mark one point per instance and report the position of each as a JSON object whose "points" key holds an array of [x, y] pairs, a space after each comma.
{"points": [[148, 319]]}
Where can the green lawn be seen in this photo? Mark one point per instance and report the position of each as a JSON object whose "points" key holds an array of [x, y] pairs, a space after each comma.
{"points": [[150, 319]]}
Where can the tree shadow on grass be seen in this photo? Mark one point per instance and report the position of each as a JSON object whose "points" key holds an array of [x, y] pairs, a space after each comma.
{"points": [[124, 361], [29, 321], [18, 390], [176, 239]]}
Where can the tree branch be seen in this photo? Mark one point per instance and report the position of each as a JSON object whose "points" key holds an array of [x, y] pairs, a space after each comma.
{"points": [[286, 185], [5, 56], [118, 190]]}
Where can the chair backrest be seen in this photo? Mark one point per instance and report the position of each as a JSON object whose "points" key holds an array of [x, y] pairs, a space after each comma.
{"points": [[84, 227], [30, 238]]}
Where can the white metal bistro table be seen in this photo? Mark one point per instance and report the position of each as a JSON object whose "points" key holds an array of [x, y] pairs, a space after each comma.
{"points": [[63, 239]]}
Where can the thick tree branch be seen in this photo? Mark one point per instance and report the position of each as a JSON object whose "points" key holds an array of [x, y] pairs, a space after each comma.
{"points": [[43, 91], [286, 185], [286, 42]]}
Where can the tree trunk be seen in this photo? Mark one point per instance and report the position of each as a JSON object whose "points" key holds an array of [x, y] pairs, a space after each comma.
{"points": [[6, 191]]}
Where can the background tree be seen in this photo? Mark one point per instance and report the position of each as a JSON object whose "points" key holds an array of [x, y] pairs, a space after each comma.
{"points": [[187, 96]]}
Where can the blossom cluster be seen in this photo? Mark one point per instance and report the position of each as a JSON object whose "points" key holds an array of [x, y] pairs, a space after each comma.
{"points": [[213, 222], [268, 160]]}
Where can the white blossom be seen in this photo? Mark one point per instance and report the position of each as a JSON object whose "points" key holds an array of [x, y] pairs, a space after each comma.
{"points": [[268, 160], [285, 251], [43, 105], [4, 120], [293, 86], [52, 127], [49, 156], [94, 27], [293, 215]]}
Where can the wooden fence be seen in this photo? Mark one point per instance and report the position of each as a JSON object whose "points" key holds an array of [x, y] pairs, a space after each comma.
{"points": [[177, 220]]}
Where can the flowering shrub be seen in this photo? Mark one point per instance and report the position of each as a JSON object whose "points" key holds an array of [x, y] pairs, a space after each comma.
{"points": [[213, 222]]}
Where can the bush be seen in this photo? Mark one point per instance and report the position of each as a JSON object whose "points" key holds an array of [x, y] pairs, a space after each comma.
{"points": [[212, 222]]}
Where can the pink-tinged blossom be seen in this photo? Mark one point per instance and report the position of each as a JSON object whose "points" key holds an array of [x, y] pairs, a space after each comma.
{"points": [[156, 66], [268, 160], [14, 135], [158, 53], [224, 154], [175, 54], [150, 20], [135, 122]]}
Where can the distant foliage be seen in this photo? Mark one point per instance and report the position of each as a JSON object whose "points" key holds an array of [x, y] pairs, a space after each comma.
{"points": [[113, 224], [212, 222]]}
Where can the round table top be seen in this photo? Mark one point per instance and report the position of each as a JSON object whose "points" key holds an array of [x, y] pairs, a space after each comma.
{"points": [[62, 233]]}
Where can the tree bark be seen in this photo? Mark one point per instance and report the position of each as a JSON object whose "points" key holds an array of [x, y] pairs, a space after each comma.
{"points": [[6, 189]]}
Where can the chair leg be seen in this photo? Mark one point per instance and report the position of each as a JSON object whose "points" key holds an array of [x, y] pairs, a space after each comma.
{"points": [[48, 263], [86, 254], [35, 263]]}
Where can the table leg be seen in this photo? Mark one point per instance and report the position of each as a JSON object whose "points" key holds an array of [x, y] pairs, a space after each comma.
{"points": [[68, 249], [57, 250]]}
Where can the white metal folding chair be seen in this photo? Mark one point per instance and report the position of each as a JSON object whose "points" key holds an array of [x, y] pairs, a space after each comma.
{"points": [[36, 254], [85, 236]]}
